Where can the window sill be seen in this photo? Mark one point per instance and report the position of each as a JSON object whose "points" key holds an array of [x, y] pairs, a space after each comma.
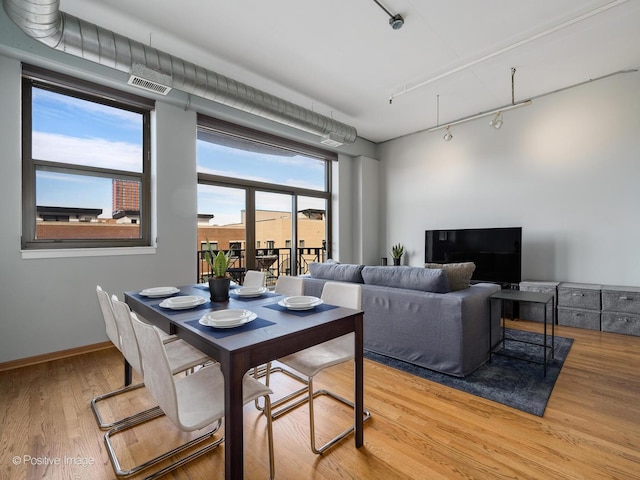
{"points": [[86, 252]]}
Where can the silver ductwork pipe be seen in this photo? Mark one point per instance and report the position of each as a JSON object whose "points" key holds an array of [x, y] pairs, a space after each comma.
{"points": [[43, 21]]}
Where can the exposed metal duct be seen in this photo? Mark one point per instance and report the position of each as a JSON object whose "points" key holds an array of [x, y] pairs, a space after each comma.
{"points": [[43, 21]]}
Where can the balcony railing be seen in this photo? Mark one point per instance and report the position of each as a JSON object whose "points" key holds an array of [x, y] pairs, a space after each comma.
{"points": [[274, 261]]}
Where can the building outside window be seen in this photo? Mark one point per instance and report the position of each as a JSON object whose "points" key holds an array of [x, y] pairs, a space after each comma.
{"points": [[263, 187], [85, 164]]}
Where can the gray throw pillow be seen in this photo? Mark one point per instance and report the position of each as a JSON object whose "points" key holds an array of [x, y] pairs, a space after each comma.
{"points": [[340, 272], [412, 278], [459, 274]]}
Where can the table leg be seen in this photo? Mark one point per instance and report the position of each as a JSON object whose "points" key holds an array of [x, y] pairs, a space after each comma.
{"points": [[233, 370], [359, 382], [490, 328], [553, 328], [545, 341], [504, 324]]}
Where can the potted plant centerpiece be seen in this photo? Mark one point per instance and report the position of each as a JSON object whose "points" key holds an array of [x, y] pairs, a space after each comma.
{"points": [[396, 253], [219, 282]]}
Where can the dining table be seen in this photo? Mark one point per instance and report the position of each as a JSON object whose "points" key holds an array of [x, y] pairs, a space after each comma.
{"points": [[275, 332]]}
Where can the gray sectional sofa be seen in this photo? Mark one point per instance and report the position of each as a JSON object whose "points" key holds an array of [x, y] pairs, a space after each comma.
{"points": [[410, 314]]}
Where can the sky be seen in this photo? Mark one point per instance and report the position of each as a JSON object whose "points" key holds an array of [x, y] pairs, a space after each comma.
{"points": [[70, 130]]}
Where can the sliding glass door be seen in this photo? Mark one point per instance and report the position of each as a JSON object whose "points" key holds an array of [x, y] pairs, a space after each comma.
{"points": [[265, 198]]}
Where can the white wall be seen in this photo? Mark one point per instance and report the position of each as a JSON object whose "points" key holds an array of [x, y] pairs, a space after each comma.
{"points": [[367, 227], [566, 169], [49, 304]]}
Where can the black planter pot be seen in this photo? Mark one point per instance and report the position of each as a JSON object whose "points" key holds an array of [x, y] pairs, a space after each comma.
{"points": [[396, 261], [219, 289]]}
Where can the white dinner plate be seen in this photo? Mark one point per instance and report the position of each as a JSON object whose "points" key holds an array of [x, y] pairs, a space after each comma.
{"points": [[184, 302], [227, 316], [234, 319], [158, 292], [249, 292], [300, 302]]}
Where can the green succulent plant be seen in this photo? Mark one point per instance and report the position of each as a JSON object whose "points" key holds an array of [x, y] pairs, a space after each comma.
{"points": [[217, 262], [397, 251]]}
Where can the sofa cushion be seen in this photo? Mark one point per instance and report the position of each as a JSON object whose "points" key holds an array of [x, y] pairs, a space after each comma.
{"points": [[340, 272], [411, 278], [459, 274]]}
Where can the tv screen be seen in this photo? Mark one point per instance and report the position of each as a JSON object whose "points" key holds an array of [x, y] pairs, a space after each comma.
{"points": [[495, 251]]}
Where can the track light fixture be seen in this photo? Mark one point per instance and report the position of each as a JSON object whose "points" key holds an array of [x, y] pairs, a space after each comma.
{"points": [[497, 120], [447, 135], [396, 21]]}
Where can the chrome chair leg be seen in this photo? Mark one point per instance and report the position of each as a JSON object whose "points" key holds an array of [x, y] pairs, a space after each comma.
{"points": [[117, 468], [309, 398], [265, 371], [131, 419]]}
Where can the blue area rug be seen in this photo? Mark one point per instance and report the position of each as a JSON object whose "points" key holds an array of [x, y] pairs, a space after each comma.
{"points": [[511, 381]]}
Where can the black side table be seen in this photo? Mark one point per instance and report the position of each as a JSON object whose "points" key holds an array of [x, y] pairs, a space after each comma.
{"points": [[531, 297]]}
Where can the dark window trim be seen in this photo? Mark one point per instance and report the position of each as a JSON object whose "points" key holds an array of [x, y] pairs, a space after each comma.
{"points": [[239, 131], [222, 127], [48, 79], [67, 85]]}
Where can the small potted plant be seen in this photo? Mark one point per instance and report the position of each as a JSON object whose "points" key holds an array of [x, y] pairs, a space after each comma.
{"points": [[396, 253], [218, 282]]}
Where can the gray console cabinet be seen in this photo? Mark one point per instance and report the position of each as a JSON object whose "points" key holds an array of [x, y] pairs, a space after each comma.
{"points": [[621, 310], [579, 305]]}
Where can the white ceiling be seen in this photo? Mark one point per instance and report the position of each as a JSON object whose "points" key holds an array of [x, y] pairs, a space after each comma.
{"points": [[341, 58]]}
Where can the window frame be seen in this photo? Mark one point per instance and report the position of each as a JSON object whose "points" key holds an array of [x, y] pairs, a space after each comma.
{"points": [[36, 77], [221, 127]]}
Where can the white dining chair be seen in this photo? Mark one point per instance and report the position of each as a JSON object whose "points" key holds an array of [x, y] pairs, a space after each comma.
{"points": [[254, 278], [191, 402], [111, 327], [112, 332], [181, 356], [287, 286], [312, 360]]}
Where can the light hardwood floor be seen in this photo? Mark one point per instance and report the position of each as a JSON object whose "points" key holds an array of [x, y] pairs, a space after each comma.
{"points": [[419, 430]]}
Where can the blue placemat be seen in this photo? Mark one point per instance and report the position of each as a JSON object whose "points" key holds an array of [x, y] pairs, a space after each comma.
{"points": [[169, 311], [149, 300], [226, 332], [251, 299], [323, 307]]}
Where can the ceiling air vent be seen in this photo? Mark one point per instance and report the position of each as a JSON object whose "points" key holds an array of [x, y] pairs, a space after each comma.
{"points": [[150, 80], [332, 140]]}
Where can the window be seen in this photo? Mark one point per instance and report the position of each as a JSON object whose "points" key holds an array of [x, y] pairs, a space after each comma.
{"points": [[85, 164], [214, 245], [267, 187]]}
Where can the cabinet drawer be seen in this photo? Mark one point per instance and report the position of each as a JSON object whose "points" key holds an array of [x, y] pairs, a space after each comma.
{"points": [[621, 323], [579, 298], [535, 312], [621, 301], [576, 317]]}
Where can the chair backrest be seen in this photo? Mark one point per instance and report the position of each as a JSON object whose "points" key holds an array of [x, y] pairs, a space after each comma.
{"points": [[129, 344], [347, 295], [289, 286], [254, 278], [157, 370], [109, 319]]}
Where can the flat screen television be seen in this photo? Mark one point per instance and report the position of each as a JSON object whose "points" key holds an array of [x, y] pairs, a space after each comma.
{"points": [[497, 252]]}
